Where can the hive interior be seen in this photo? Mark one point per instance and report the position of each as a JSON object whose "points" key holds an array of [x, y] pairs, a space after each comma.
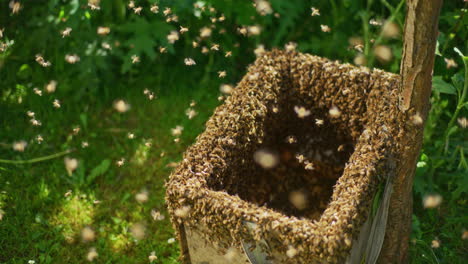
{"points": [[328, 147]]}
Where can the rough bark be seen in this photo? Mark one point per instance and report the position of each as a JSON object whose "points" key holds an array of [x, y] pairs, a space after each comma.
{"points": [[420, 37]]}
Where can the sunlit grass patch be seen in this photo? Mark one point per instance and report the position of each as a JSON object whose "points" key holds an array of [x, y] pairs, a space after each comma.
{"points": [[141, 153], [76, 211]]}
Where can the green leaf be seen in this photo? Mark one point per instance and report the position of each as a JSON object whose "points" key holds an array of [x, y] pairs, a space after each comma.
{"points": [[416, 226], [458, 80], [460, 53], [461, 188], [420, 181], [441, 86], [24, 71], [84, 120], [463, 163], [98, 170], [377, 199], [437, 50], [291, 15], [452, 130]]}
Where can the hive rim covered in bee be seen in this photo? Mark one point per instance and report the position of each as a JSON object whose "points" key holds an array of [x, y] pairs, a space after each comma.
{"points": [[201, 191]]}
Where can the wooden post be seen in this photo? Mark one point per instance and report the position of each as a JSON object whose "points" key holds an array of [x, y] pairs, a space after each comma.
{"points": [[420, 37]]}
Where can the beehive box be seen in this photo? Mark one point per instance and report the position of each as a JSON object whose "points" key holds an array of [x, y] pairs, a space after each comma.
{"points": [[289, 165]]}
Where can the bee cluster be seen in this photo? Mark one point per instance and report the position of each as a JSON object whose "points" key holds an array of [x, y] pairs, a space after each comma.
{"points": [[306, 185]]}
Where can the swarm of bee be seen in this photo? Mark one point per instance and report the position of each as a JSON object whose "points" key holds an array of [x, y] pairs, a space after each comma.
{"points": [[307, 185]]}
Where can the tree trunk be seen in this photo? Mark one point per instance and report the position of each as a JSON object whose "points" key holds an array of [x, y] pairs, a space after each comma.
{"points": [[420, 37]]}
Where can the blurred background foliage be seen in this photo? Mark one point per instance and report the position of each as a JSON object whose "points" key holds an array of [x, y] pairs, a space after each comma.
{"points": [[121, 50]]}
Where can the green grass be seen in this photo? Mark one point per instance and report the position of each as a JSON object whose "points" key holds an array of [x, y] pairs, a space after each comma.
{"points": [[41, 223]]}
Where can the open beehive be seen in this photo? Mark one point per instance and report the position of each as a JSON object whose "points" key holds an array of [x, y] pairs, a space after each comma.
{"points": [[334, 156]]}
